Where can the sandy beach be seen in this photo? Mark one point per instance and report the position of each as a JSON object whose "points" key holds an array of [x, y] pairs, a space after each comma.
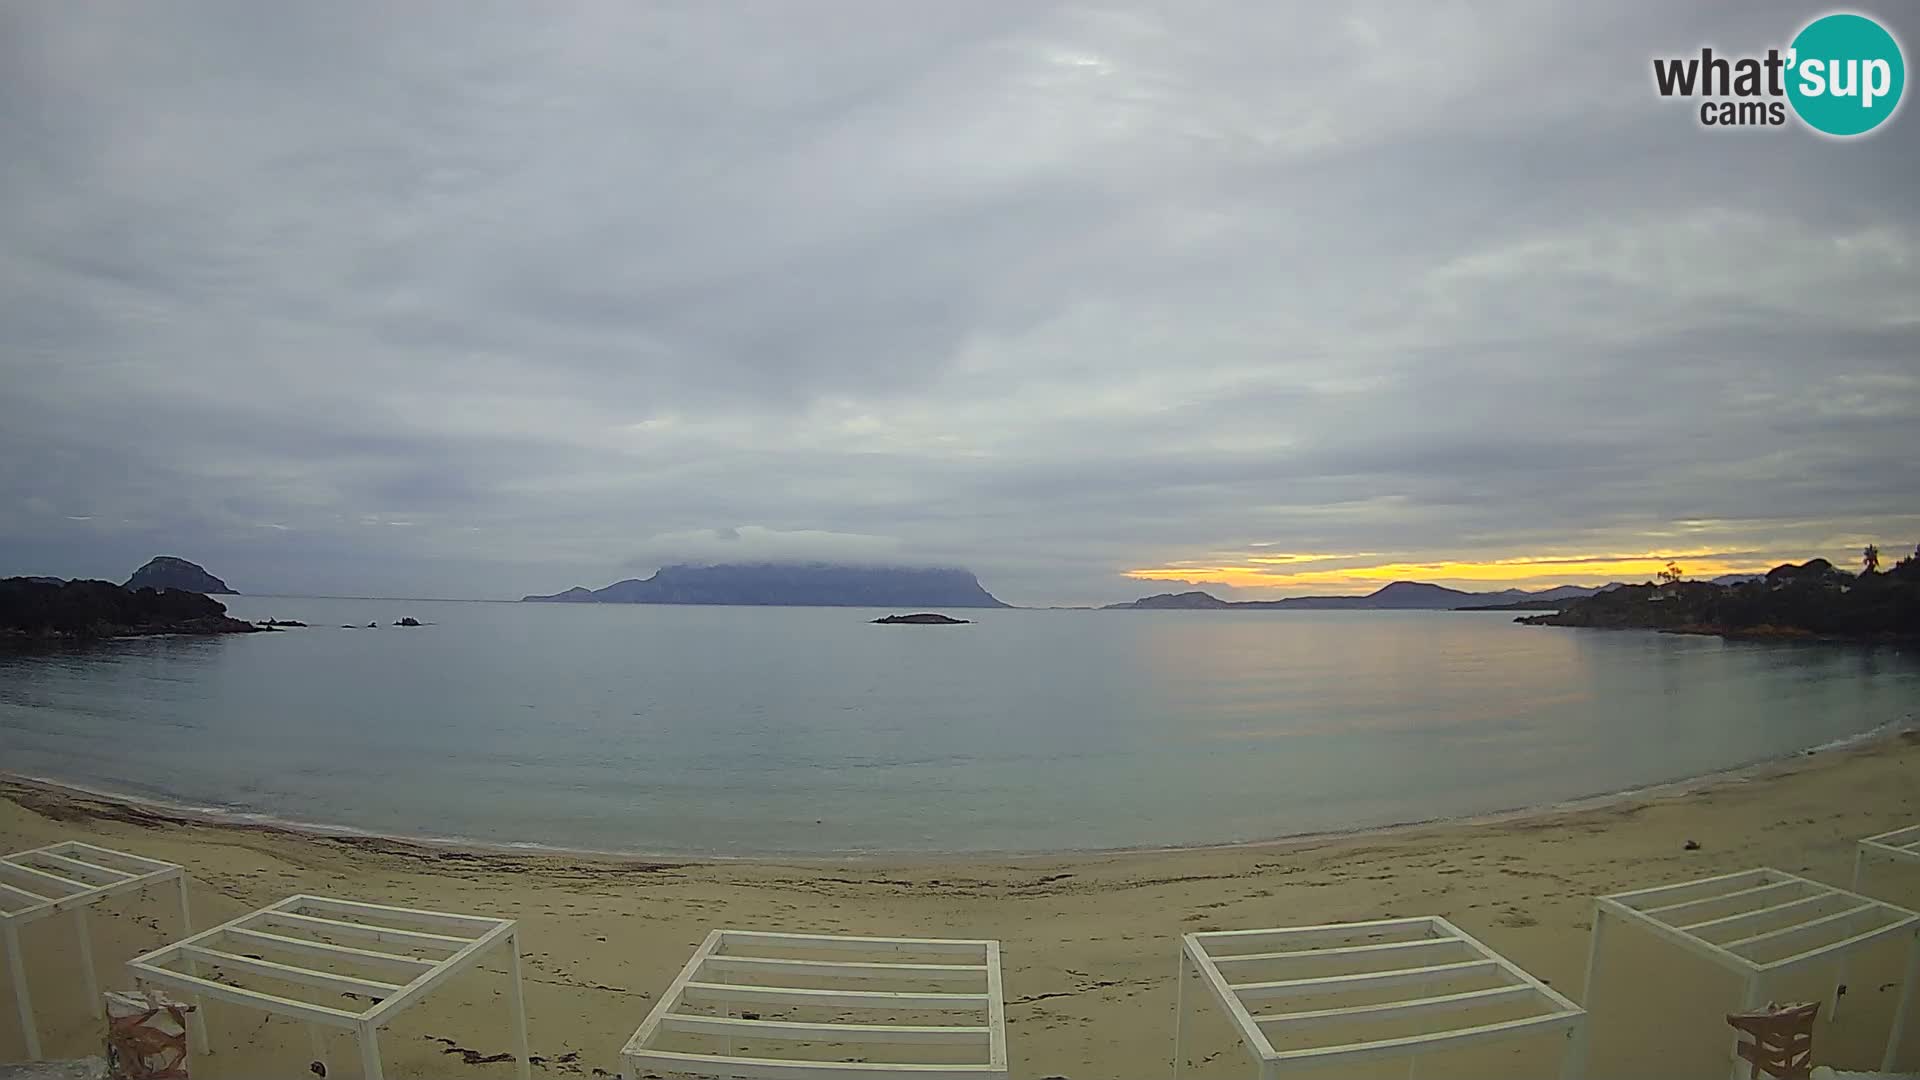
{"points": [[1088, 939]]}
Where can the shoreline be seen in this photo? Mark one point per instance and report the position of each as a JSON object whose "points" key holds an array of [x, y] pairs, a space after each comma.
{"points": [[1088, 939], [164, 811]]}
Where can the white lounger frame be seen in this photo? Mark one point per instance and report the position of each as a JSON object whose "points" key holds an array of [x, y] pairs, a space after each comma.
{"points": [[974, 968], [70, 877], [1708, 918], [268, 942], [1900, 845], [1440, 952]]}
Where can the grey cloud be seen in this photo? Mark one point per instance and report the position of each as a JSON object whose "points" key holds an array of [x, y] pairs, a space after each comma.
{"points": [[1053, 292]]}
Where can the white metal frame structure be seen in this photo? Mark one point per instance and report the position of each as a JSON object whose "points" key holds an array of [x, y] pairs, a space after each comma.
{"points": [[1900, 845], [70, 877], [967, 981], [1761, 923], [1423, 950], [383, 963]]}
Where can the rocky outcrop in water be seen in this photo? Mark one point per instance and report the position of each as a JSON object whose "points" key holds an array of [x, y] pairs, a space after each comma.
{"points": [[91, 610]]}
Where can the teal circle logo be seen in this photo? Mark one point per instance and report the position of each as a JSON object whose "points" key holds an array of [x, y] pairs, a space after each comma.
{"points": [[1845, 73]]}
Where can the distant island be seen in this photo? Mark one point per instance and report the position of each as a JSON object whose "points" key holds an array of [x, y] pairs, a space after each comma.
{"points": [[809, 584], [924, 618], [33, 610], [1520, 605], [1814, 599], [1398, 596], [169, 572]]}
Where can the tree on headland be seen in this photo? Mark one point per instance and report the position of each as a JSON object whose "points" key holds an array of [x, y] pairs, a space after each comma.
{"points": [[1871, 558], [1811, 599]]}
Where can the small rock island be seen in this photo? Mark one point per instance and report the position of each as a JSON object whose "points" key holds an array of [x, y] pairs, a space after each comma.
{"points": [[170, 572], [924, 618]]}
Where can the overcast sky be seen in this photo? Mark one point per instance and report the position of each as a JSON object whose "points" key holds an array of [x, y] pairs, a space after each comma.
{"points": [[476, 300]]}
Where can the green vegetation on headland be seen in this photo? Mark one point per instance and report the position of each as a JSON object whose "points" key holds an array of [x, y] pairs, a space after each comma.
{"points": [[1814, 599], [77, 611]]}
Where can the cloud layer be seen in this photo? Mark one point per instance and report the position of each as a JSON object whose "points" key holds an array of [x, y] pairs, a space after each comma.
{"points": [[475, 300]]}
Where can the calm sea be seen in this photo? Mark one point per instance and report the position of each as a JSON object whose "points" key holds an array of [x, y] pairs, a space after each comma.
{"points": [[762, 730]]}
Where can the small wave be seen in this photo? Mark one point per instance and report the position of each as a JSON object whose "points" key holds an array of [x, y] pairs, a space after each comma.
{"points": [[1847, 742]]}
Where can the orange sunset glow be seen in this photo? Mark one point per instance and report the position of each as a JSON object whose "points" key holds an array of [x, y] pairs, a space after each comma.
{"points": [[1278, 571]]}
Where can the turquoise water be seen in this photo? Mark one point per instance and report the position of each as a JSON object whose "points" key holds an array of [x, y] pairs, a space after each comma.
{"points": [[788, 730]]}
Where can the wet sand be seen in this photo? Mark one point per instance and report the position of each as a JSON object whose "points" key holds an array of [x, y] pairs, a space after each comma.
{"points": [[1089, 940]]}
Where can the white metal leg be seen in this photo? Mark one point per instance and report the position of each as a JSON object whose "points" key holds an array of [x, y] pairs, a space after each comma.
{"points": [[197, 1019], [1901, 1010], [369, 1039], [1840, 975], [89, 979], [18, 965], [524, 1066], [1180, 1017], [1574, 1064], [186, 908], [1413, 1068], [1593, 959], [1573, 1060], [1839, 981], [1750, 1002]]}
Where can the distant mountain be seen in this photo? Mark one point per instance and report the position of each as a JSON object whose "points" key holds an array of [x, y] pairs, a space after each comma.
{"points": [[791, 585], [1563, 592], [1544, 600], [168, 572], [1737, 579], [1413, 596], [1398, 596], [1522, 605], [1186, 601]]}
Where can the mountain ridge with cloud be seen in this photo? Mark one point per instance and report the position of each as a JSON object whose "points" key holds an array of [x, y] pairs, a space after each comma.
{"points": [[798, 584]]}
